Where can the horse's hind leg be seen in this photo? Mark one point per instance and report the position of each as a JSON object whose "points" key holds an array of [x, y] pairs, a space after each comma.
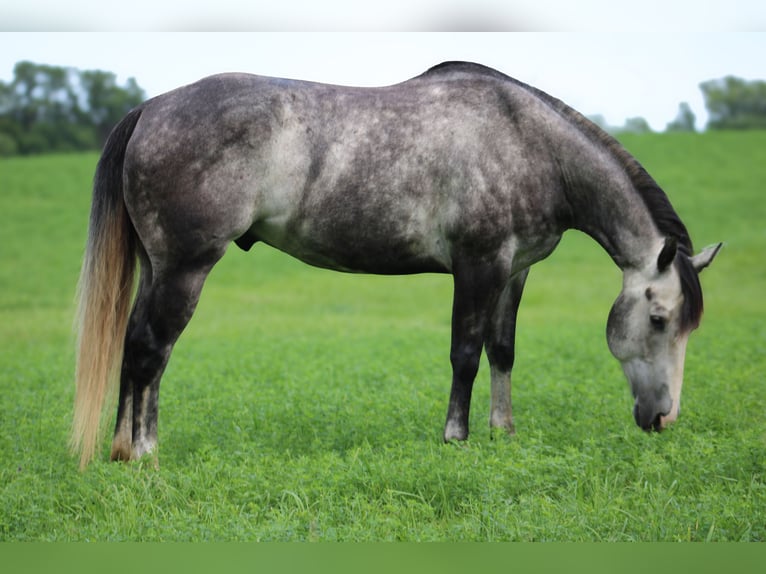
{"points": [[123, 431], [500, 341], [165, 302]]}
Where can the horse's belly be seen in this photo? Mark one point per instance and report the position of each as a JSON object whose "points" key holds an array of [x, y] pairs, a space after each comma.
{"points": [[357, 249]]}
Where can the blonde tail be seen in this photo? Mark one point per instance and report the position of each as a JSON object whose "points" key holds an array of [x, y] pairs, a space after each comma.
{"points": [[104, 294]]}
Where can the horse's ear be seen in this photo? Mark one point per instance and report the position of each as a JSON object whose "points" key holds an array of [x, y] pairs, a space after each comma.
{"points": [[668, 254], [706, 256]]}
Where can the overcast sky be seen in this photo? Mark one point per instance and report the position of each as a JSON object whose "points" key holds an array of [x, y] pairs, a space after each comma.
{"points": [[628, 72]]}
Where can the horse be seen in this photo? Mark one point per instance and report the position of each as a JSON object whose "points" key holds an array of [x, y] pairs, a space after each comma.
{"points": [[461, 170]]}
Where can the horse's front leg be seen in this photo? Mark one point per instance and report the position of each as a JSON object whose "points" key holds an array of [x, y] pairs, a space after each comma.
{"points": [[500, 342], [476, 291]]}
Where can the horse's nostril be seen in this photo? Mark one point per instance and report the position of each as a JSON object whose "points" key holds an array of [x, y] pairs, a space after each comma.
{"points": [[644, 422]]}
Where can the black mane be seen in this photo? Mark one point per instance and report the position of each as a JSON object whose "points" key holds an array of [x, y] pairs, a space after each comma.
{"points": [[657, 203]]}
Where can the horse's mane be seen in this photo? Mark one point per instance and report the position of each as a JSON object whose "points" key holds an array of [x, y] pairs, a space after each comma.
{"points": [[657, 203]]}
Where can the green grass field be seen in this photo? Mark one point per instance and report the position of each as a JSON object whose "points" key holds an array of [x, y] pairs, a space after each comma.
{"points": [[302, 404]]}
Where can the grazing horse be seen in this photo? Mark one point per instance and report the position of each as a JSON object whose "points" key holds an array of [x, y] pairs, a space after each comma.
{"points": [[461, 170]]}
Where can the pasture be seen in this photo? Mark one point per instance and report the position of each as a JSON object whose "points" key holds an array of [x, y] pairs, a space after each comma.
{"points": [[302, 404]]}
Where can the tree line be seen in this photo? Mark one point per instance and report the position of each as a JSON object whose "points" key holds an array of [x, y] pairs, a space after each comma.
{"points": [[732, 104], [57, 109]]}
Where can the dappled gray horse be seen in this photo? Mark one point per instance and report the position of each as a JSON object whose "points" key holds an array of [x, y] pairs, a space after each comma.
{"points": [[461, 170]]}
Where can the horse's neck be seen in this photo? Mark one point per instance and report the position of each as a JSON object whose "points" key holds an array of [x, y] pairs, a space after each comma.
{"points": [[606, 206]]}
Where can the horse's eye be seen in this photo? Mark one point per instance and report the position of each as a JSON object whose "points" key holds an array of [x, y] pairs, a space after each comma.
{"points": [[657, 322]]}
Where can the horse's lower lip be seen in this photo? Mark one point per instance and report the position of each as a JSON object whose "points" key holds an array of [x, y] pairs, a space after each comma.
{"points": [[666, 420]]}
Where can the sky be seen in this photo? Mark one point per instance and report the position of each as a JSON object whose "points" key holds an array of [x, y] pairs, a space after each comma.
{"points": [[609, 63]]}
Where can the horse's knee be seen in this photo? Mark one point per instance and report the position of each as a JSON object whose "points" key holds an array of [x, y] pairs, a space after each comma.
{"points": [[465, 362]]}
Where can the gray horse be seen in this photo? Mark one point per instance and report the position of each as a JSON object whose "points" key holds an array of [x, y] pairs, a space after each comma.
{"points": [[460, 170]]}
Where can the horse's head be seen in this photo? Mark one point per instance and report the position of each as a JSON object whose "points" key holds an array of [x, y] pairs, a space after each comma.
{"points": [[649, 325]]}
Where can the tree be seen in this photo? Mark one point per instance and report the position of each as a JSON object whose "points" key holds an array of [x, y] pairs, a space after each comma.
{"points": [[734, 103], [685, 120]]}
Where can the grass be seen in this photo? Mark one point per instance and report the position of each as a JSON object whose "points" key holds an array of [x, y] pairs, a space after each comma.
{"points": [[302, 404]]}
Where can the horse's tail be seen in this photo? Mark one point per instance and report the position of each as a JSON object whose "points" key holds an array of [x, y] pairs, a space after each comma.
{"points": [[104, 293]]}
